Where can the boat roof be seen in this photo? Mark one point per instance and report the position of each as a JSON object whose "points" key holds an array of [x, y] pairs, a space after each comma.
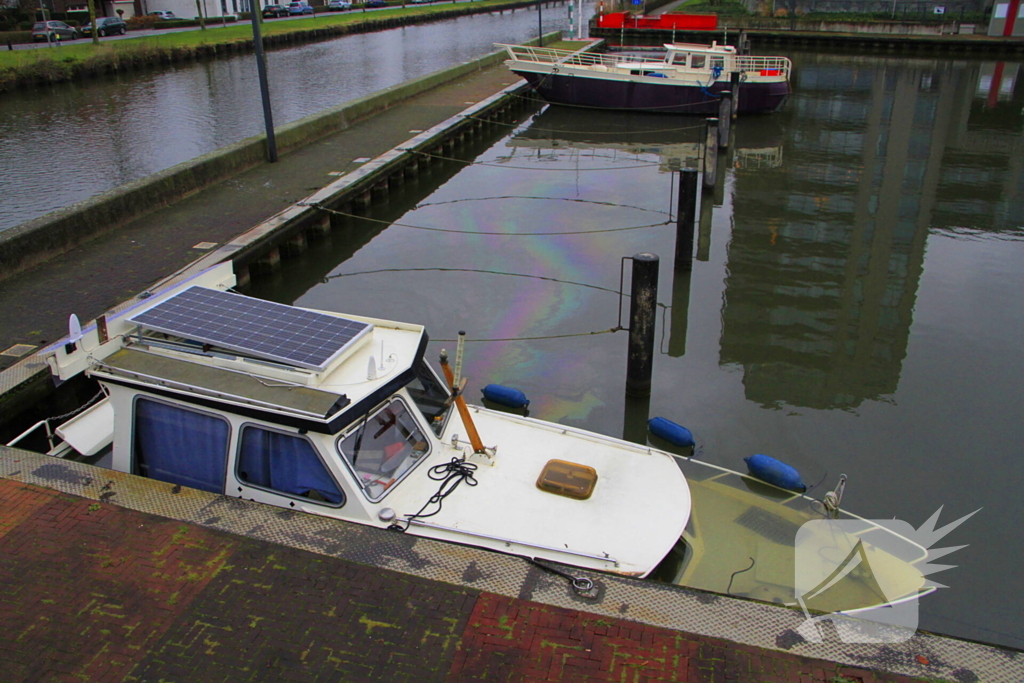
{"points": [[694, 47], [263, 329], [316, 370]]}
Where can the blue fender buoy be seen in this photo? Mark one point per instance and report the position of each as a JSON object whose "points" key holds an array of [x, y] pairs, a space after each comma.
{"points": [[768, 469], [506, 396], [675, 434]]}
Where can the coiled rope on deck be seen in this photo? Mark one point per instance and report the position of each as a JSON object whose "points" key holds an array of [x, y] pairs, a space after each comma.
{"points": [[450, 474]]}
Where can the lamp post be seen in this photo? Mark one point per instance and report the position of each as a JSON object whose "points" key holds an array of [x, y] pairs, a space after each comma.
{"points": [[46, 24], [261, 69]]}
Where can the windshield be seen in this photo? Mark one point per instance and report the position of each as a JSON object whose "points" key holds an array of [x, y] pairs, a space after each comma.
{"points": [[430, 396], [383, 447]]}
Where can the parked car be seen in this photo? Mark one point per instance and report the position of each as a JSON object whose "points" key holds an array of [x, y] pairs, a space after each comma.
{"points": [[106, 26], [162, 14], [53, 30], [339, 5], [375, 3], [275, 11], [299, 8]]}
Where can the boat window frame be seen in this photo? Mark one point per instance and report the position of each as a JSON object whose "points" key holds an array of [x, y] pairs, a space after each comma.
{"points": [[320, 456], [703, 60], [422, 362], [355, 426], [188, 407]]}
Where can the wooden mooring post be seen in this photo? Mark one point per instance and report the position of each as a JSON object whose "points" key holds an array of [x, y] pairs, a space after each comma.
{"points": [[711, 154], [686, 211], [643, 305]]}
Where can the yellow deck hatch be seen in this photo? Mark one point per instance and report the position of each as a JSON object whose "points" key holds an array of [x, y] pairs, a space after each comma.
{"points": [[567, 479]]}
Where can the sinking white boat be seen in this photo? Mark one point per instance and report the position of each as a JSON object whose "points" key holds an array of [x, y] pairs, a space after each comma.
{"points": [[685, 79], [342, 416]]}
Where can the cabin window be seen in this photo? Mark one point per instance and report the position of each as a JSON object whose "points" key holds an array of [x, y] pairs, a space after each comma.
{"points": [[383, 447], [698, 61], [430, 397], [180, 446], [287, 464], [679, 58], [717, 64]]}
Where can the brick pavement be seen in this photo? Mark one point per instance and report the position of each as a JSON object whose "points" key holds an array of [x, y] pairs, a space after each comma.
{"points": [[95, 592]]}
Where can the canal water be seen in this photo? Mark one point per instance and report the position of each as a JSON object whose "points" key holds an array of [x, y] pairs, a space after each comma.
{"points": [[66, 143], [853, 307]]}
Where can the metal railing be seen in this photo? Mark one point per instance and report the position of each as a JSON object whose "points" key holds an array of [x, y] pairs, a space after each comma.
{"points": [[750, 65]]}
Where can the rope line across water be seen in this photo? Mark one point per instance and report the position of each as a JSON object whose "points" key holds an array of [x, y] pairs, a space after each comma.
{"points": [[318, 205], [560, 199], [529, 168]]}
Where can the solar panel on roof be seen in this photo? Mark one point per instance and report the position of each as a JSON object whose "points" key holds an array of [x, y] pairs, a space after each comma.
{"points": [[261, 328]]}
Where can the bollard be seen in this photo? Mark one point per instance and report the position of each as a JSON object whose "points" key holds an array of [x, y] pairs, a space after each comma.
{"points": [[724, 119], [735, 93], [686, 210], [9, 46], [642, 318], [711, 154]]}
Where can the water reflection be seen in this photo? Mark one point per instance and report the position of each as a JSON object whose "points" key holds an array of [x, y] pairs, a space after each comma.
{"points": [[677, 141], [826, 254]]}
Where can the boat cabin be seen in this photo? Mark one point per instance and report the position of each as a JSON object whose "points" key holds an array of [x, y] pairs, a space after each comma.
{"points": [[341, 416]]}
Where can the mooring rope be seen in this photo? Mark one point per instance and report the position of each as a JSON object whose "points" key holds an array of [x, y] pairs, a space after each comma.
{"points": [[450, 474], [318, 205], [560, 199], [528, 168]]}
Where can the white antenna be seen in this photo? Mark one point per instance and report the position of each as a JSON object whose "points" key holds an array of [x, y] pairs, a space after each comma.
{"points": [[74, 329], [371, 370]]}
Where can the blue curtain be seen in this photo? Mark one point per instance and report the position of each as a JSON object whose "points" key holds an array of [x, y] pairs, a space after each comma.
{"points": [[180, 446], [285, 463]]}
